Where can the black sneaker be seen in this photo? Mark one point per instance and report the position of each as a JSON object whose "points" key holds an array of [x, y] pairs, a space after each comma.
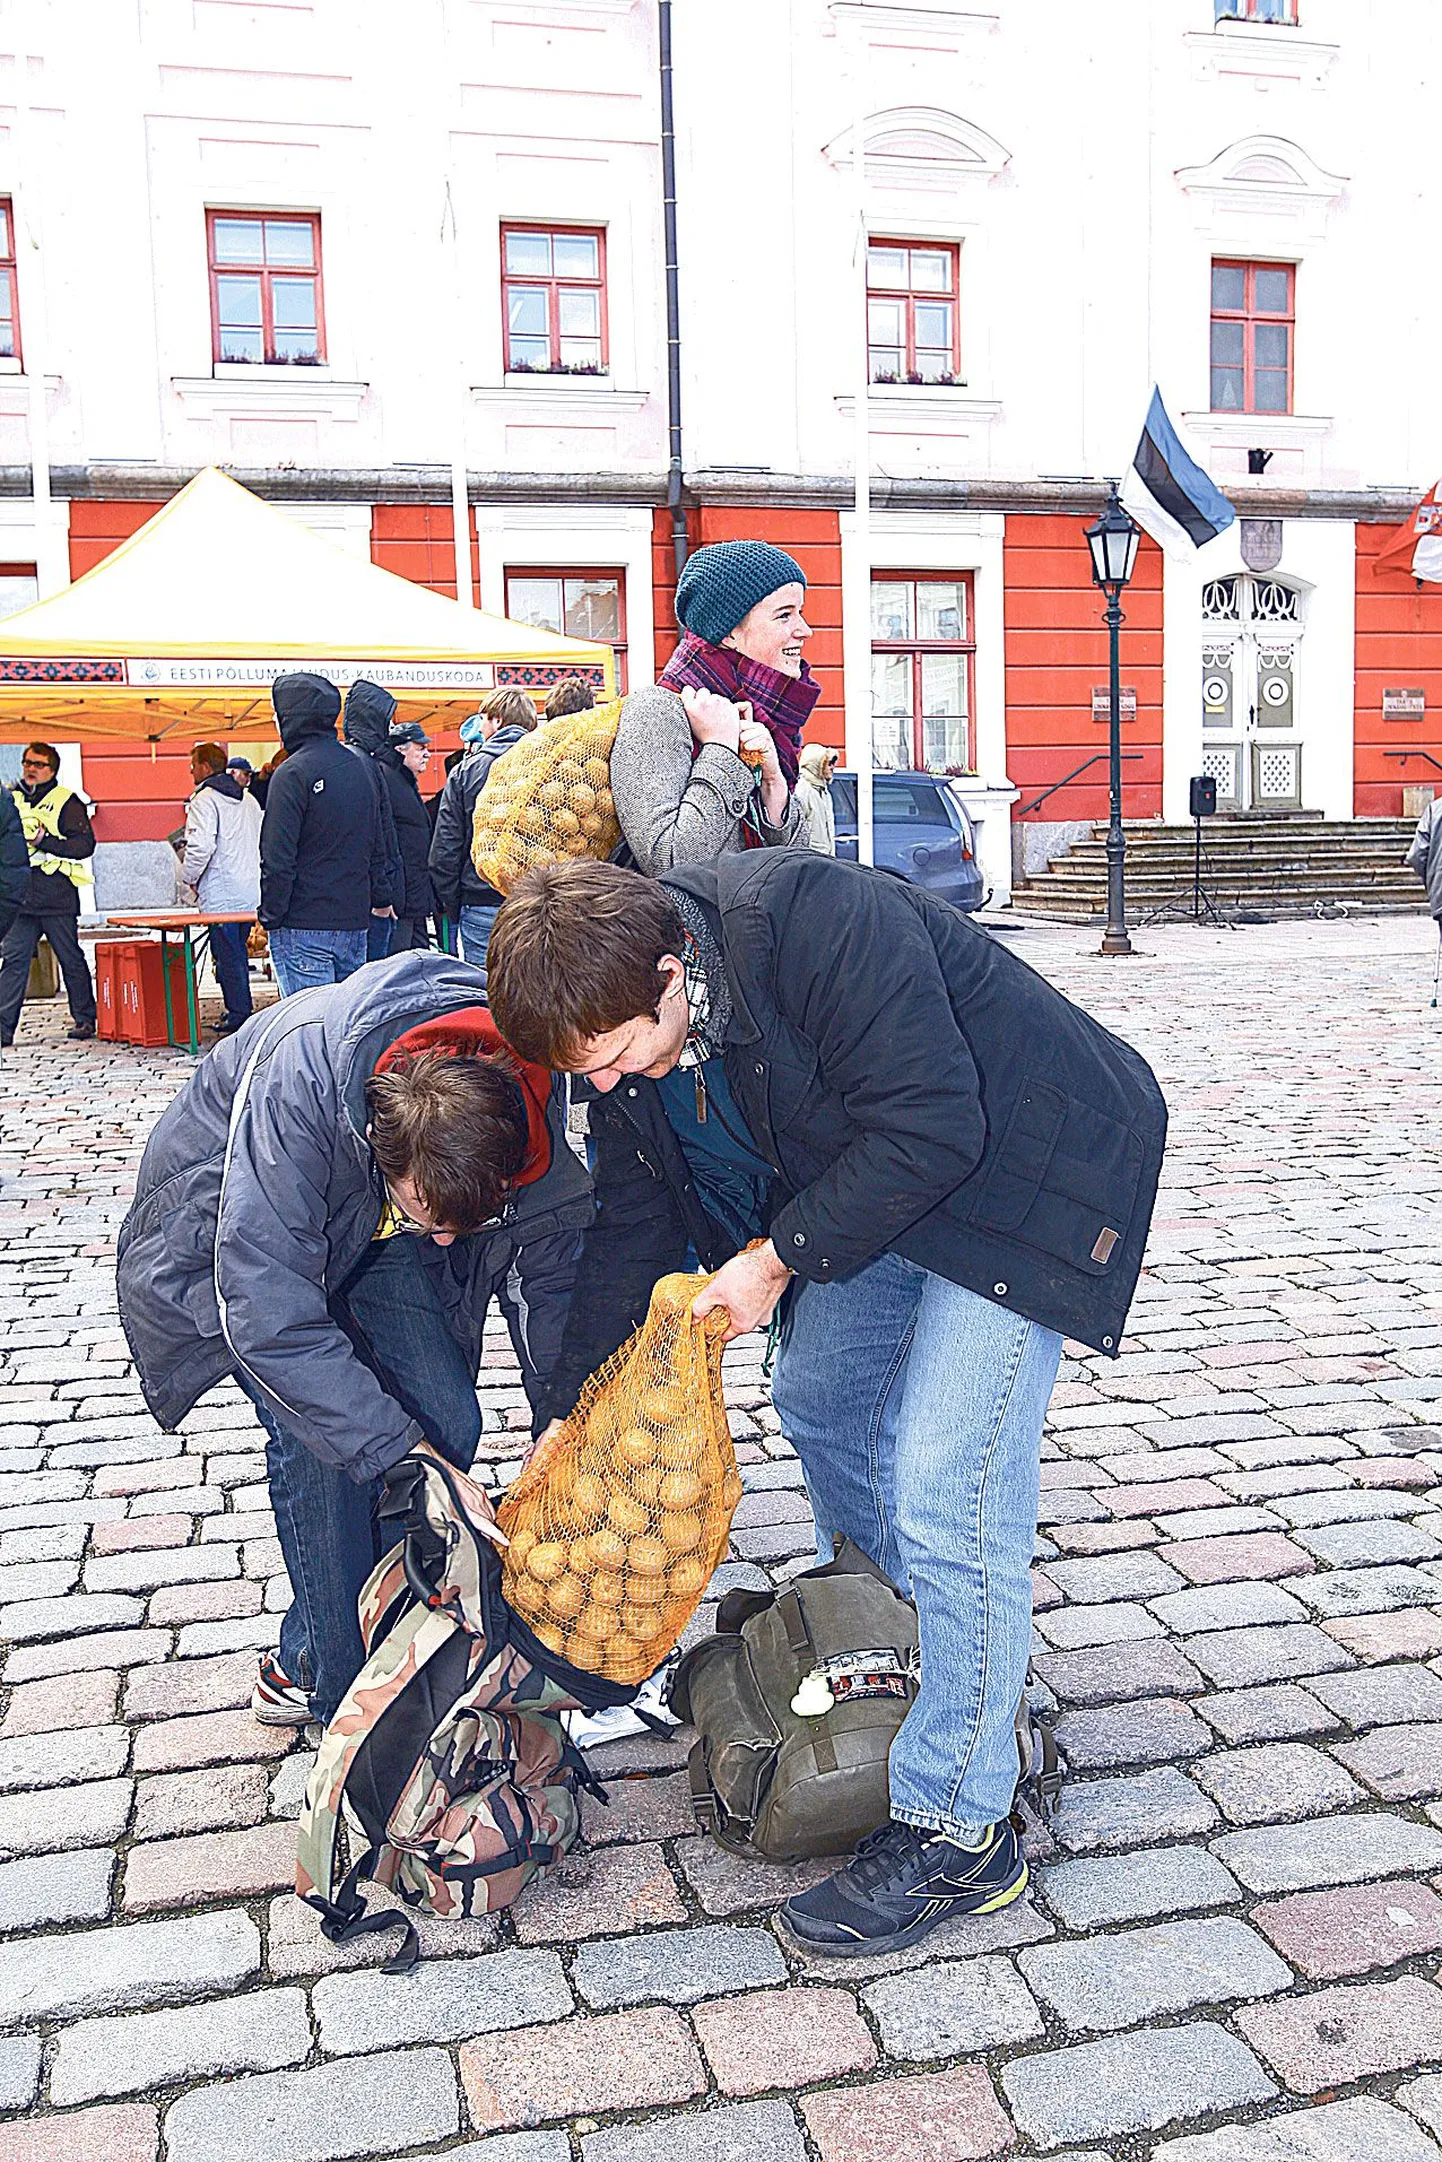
{"points": [[900, 1883], [82, 1032], [277, 1701]]}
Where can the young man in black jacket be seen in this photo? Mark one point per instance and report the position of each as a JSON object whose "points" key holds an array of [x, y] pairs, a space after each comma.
{"points": [[325, 1212], [947, 1165], [400, 766], [323, 866]]}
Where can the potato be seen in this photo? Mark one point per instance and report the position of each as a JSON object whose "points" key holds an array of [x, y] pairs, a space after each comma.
{"points": [[554, 1638], [551, 793], [564, 819], [583, 796], [588, 1495], [531, 819], [641, 1622], [646, 1485], [645, 1556], [626, 1515], [679, 1489], [682, 1448], [566, 1597], [681, 1529], [521, 1543], [547, 1560], [598, 772], [605, 803], [592, 825], [591, 1634], [607, 1587], [663, 1403], [607, 1550], [686, 1578], [637, 1447]]}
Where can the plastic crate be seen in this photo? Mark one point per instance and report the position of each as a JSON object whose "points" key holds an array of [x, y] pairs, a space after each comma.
{"points": [[142, 993]]}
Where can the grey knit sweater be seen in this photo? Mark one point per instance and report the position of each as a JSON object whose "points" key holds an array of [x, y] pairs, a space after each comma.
{"points": [[675, 809]]}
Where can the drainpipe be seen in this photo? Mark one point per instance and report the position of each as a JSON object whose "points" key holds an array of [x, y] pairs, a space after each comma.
{"points": [[680, 542]]}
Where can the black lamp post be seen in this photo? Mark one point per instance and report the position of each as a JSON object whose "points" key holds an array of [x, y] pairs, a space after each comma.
{"points": [[1113, 544]]}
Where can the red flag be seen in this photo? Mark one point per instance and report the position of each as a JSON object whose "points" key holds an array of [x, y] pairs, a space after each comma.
{"points": [[1418, 547]]}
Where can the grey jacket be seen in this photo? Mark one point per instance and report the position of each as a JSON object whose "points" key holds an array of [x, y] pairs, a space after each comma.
{"points": [[1425, 855], [677, 808], [258, 1196]]}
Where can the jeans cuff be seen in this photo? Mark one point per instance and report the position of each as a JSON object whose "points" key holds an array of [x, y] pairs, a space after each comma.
{"points": [[970, 1835]]}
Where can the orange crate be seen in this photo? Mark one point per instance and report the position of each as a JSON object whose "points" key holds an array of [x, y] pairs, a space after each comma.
{"points": [[142, 993]]}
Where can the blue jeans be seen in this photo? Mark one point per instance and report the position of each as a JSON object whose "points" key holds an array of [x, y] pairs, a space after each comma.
{"points": [[227, 957], [916, 1409], [304, 959], [324, 1519], [476, 933]]}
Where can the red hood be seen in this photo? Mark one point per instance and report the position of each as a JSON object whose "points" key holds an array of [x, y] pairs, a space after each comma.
{"points": [[470, 1032]]}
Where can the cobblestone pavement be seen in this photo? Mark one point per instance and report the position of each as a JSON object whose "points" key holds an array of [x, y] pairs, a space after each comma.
{"points": [[1230, 1955]]}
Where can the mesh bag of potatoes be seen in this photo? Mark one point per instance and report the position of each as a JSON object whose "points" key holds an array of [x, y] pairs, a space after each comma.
{"points": [[617, 1524], [548, 799]]}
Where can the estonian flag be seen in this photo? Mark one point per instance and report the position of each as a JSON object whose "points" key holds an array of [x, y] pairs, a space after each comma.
{"points": [[1168, 493]]}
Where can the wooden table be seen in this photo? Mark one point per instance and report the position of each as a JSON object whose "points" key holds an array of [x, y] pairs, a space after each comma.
{"points": [[187, 921]]}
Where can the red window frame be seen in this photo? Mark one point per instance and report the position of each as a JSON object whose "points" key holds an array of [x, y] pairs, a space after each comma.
{"points": [[555, 286], [910, 295], [8, 274], [1257, 11], [918, 648], [563, 572], [266, 274], [1252, 318]]}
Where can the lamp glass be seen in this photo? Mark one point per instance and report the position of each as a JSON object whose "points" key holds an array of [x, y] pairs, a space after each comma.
{"points": [[1113, 543]]}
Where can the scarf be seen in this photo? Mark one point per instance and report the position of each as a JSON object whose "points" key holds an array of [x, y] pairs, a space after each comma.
{"points": [[708, 994], [784, 703]]}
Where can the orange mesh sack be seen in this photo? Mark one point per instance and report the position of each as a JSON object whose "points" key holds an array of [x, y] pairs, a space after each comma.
{"points": [[616, 1526], [548, 799]]}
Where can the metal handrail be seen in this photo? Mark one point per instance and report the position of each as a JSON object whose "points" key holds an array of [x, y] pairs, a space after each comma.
{"points": [[1099, 759], [1405, 755]]}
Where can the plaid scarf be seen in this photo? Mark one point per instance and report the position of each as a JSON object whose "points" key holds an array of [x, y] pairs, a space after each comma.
{"points": [[784, 703]]}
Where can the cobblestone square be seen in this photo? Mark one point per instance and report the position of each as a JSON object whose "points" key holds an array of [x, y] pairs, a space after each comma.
{"points": [[1229, 1951]]}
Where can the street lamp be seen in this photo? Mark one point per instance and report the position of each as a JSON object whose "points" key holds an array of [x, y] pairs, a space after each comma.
{"points": [[1113, 544]]}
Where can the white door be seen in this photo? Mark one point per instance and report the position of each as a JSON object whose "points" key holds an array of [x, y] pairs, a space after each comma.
{"points": [[1251, 743]]}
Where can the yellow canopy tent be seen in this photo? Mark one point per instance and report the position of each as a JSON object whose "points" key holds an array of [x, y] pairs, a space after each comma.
{"points": [[187, 624]]}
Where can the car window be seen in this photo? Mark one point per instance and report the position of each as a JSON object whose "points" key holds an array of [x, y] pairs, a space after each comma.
{"points": [[843, 802], [908, 803]]}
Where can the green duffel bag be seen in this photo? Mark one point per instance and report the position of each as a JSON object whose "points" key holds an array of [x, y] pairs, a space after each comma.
{"points": [[796, 1701]]}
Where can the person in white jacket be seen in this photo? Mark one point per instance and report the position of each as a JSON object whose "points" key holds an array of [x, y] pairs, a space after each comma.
{"points": [[813, 793], [222, 864]]}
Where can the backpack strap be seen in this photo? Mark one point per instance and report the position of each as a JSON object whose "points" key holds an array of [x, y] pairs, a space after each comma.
{"points": [[792, 1615]]}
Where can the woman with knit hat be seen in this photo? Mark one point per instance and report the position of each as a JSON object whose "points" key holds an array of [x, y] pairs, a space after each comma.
{"points": [[706, 759]]}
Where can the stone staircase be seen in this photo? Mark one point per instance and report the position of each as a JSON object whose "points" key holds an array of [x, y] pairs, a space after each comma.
{"points": [[1256, 866]]}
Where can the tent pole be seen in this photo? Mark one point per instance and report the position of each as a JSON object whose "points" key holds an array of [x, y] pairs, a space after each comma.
{"points": [[460, 489], [52, 567]]}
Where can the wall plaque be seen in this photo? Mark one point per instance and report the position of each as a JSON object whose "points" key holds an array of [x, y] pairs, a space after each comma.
{"points": [[1261, 540], [1102, 703], [1404, 705]]}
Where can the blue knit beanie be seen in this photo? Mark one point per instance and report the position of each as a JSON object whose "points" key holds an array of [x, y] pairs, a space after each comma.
{"points": [[724, 582]]}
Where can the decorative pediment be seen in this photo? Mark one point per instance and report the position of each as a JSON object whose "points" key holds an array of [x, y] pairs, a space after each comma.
{"points": [[1264, 168], [921, 145]]}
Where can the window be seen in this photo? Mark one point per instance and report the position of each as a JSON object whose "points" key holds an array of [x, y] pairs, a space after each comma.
{"points": [[19, 587], [1252, 324], [9, 296], [1256, 11], [553, 297], [922, 655], [573, 604], [265, 287], [913, 325]]}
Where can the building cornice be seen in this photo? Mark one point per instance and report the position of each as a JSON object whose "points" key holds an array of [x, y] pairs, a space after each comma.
{"points": [[720, 486]]}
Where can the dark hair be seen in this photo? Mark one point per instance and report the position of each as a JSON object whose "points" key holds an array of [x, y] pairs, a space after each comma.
{"points": [[571, 695], [209, 755], [46, 751], [575, 952], [456, 1127]]}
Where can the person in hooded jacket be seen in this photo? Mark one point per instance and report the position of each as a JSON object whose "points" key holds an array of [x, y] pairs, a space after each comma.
{"points": [[369, 711], [462, 895], [400, 766], [323, 866], [222, 864], [425, 1170]]}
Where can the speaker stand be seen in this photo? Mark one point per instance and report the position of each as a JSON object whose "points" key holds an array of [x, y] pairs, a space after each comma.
{"points": [[1199, 907]]}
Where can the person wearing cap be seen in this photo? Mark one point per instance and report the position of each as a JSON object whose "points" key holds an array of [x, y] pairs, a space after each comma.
{"points": [[400, 765], [705, 760], [323, 864], [241, 771]]}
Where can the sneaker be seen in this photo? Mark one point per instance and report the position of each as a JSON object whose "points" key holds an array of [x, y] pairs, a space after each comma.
{"points": [[225, 1026], [277, 1701], [82, 1032], [900, 1883]]}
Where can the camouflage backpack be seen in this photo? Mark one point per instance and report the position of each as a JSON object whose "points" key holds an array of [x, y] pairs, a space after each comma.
{"points": [[446, 1774]]}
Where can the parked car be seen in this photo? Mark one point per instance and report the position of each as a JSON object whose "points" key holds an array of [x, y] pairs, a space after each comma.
{"points": [[922, 833]]}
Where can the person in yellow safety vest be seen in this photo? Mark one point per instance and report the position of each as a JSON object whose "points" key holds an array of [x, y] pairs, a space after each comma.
{"points": [[60, 839]]}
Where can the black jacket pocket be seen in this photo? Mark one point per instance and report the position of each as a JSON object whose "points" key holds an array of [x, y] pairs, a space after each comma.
{"points": [[1065, 1179]]}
